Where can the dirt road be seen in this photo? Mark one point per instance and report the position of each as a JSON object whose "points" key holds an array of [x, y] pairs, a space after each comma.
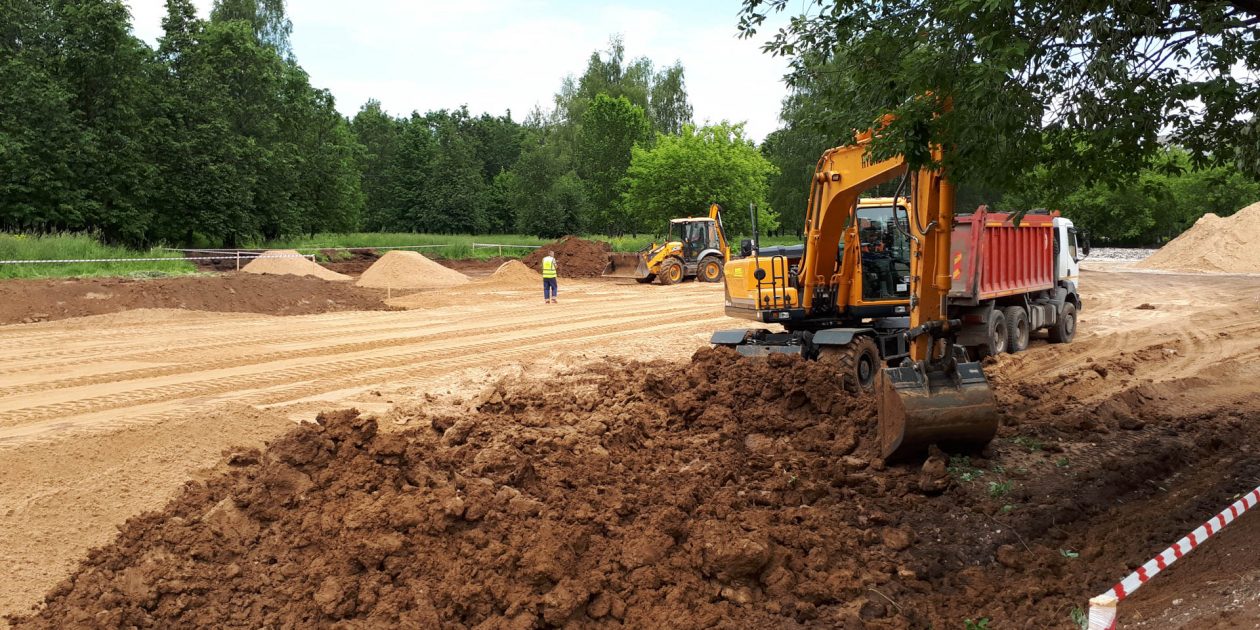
{"points": [[102, 418]]}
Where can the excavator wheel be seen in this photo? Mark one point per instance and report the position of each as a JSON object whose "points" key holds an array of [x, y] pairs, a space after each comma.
{"points": [[857, 362], [710, 269], [1017, 332], [671, 271], [648, 279]]}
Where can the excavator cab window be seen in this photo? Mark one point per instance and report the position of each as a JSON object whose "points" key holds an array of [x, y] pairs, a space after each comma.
{"points": [[885, 253]]}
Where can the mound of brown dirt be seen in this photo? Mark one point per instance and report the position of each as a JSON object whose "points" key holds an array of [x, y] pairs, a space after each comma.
{"points": [[1213, 244], [575, 257], [291, 265], [720, 493], [45, 300], [401, 269], [514, 273]]}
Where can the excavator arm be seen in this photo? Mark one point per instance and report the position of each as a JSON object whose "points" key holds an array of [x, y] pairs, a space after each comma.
{"points": [[935, 396]]}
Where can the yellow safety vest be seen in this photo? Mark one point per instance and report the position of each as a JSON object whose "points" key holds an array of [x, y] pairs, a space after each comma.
{"points": [[549, 267]]}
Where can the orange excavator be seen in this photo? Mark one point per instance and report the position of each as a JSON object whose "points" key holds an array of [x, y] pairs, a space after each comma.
{"points": [[929, 392]]}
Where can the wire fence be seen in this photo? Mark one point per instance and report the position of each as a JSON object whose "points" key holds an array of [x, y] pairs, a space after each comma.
{"points": [[249, 254]]}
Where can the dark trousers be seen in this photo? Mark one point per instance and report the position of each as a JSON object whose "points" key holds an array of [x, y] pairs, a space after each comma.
{"points": [[549, 288]]}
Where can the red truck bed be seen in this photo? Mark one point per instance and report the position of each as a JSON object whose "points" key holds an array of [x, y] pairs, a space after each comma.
{"points": [[990, 257]]}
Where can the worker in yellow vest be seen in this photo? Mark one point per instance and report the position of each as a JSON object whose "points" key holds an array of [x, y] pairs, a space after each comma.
{"points": [[549, 278]]}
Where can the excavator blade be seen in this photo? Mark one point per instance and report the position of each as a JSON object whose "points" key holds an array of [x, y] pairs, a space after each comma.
{"points": [[952, 409], [626, 265]]}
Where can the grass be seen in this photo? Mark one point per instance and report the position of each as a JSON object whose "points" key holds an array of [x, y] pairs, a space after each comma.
{"points": [[80, 246], [460, 246]]}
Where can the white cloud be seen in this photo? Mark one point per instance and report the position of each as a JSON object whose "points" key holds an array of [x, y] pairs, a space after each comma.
{"points": [[495, 55]]}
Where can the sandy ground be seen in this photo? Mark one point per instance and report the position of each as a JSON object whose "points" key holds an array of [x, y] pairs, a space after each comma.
{"points": [[104, 417]]}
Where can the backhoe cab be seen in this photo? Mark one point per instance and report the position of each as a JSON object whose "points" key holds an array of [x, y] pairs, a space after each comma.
{"points": [[695, 247], [867, 292]]}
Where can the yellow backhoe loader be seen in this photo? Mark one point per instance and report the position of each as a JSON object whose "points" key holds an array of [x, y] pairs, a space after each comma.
{"points": [[695, 247], [929, 393]]}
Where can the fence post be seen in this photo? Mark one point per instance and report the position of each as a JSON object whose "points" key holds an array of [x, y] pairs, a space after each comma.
{"points": [[238, 261]]}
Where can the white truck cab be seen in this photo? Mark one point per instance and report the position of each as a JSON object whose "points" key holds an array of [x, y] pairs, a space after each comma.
{"points": [[1069, 251]]}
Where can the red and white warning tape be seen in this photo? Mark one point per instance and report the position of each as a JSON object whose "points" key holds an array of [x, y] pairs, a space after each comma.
{"points": [[1102, 609]]}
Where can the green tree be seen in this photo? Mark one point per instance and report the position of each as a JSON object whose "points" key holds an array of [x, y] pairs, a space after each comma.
{"points": [[380, 135], [1081, 87], [111, 96], [610, 128], [683, 174], [668, 105], [1145, 209], [268, 18], [38, 132], [546, 197], [457, 190]]}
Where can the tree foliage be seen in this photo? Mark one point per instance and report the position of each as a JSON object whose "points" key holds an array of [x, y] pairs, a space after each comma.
{"points": [[1147, 209], [217, 137], [609, 129], [1082, 88], [213, 137], [683, 174]]}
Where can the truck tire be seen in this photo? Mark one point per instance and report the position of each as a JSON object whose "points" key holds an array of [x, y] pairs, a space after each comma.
{"points": [[1064, 328], [709, 269], [996, 336], [1017, 330], [856, 362], [671, 272]]}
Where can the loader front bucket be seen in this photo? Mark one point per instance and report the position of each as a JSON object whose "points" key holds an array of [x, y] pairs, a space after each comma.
{"points": [[951, 408], [626, 265]]}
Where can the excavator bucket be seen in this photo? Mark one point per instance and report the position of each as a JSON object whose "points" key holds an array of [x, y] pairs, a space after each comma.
{"points": [[626, 265], [918, 407]]}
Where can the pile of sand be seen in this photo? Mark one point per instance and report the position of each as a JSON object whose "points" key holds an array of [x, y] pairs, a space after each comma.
{"points": [[514, 273], [409, 270], [292, 266], [575, 257], [1214, 244]]}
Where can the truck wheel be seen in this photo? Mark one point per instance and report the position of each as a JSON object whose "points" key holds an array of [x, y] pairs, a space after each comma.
{"points": [[671, 271], [709, 270], [996, 338], [1064, 328], [856, 362], [1017, 333]]}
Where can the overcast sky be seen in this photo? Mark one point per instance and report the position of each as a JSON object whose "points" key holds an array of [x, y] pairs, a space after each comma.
{"points": [[495, 55]]}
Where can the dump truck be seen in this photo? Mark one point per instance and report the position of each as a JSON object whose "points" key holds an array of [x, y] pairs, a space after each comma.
{"points": [[1010, 279], [695, 247], [892, 291]]}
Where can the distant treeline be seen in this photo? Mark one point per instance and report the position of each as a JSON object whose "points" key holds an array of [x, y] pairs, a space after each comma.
{"points": [[217, 137]]}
